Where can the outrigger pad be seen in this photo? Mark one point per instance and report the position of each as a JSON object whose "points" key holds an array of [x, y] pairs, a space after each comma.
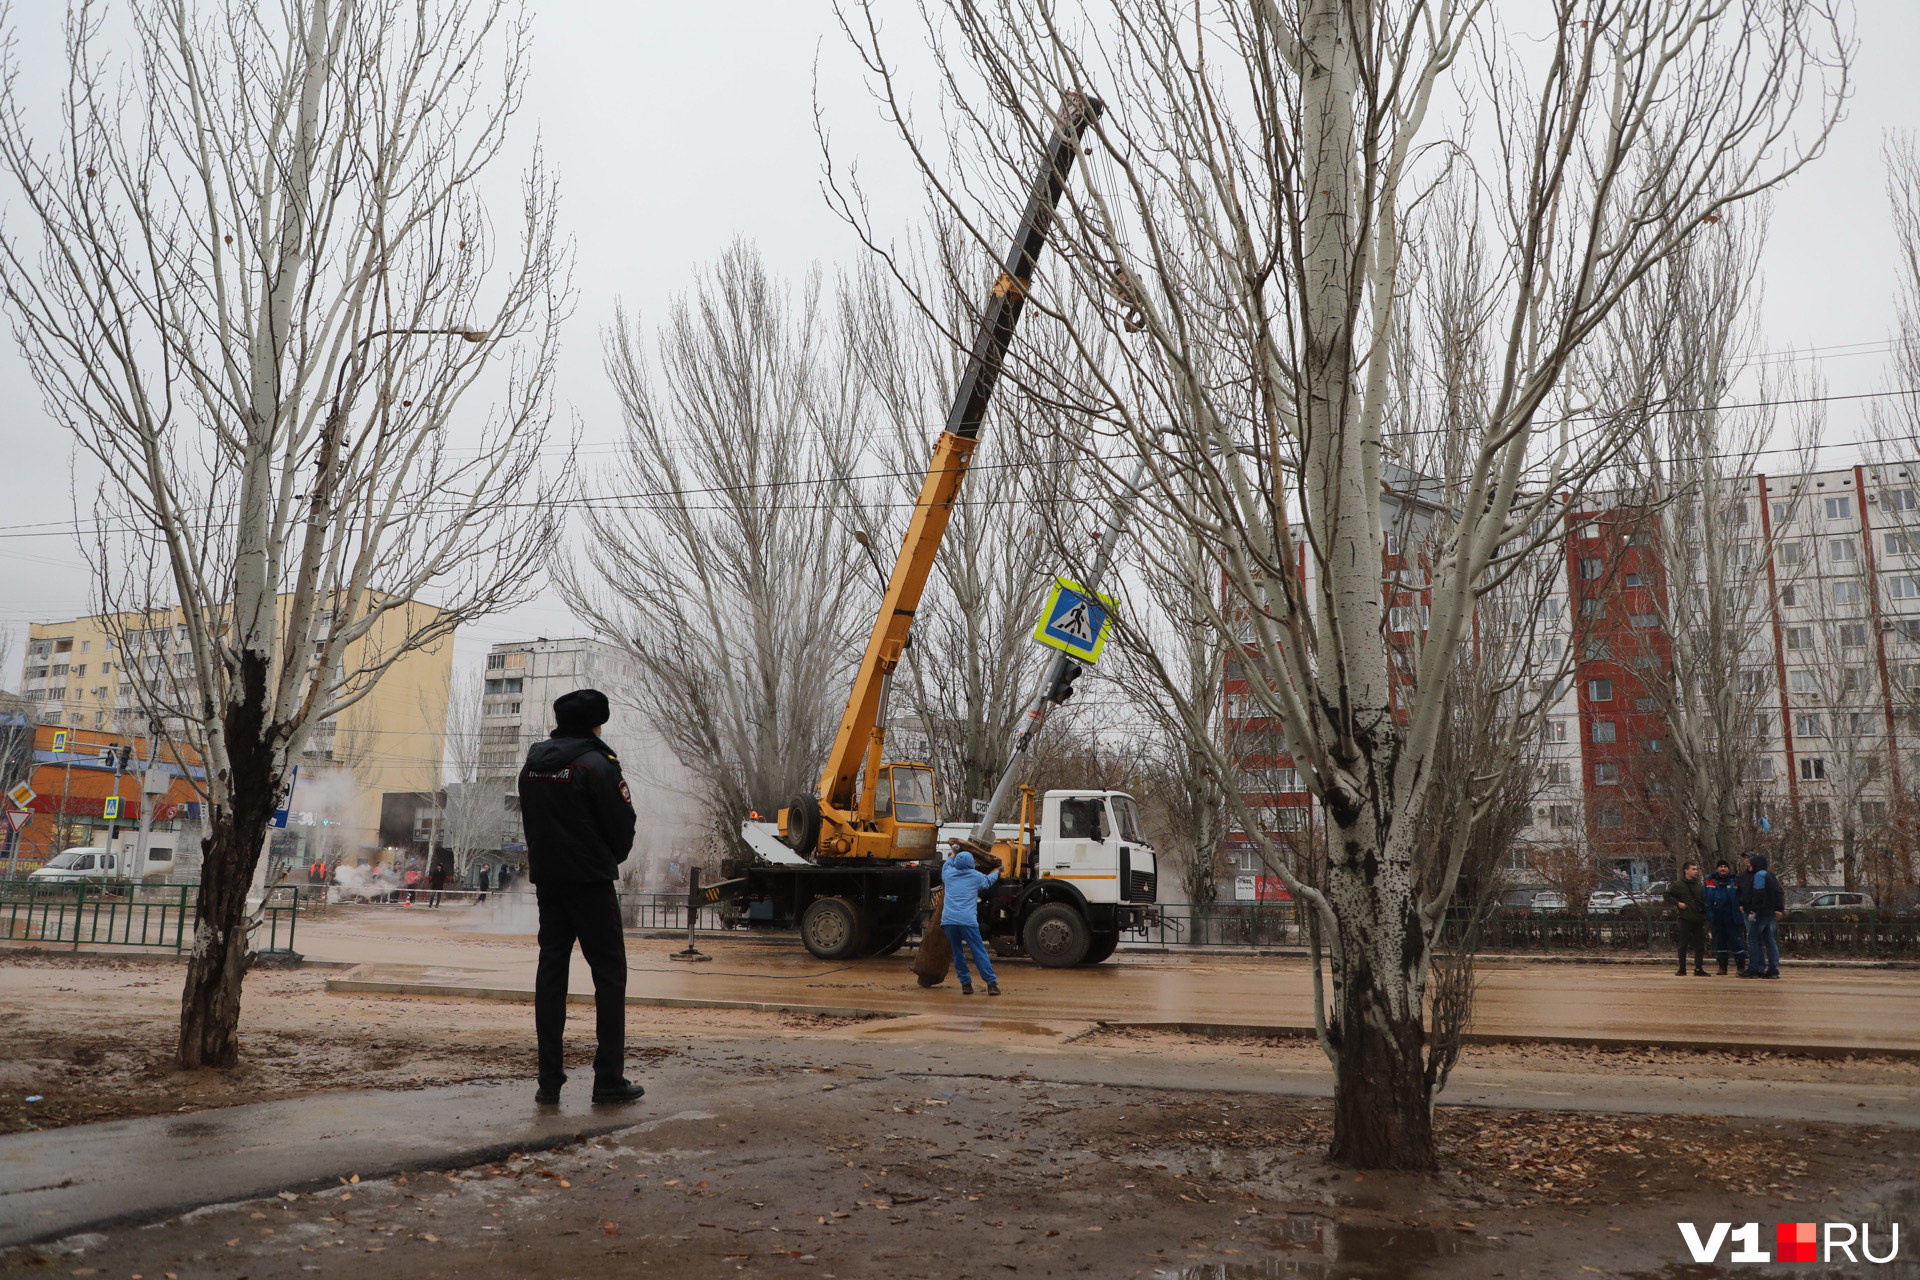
{"points": [[933, 958]]}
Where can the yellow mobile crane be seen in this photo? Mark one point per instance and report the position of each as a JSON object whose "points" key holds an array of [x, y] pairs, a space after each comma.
{"points": [[854, 861]]}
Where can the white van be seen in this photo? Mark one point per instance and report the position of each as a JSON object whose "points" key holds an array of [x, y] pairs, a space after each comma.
{"points": [[75, 866]]}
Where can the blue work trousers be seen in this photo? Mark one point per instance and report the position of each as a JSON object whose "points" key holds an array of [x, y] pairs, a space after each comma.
{"points": [[1763, 948], [964, 938]]}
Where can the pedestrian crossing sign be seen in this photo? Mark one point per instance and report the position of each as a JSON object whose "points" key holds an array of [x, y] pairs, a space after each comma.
{"points": [[110, 808], [1075, 621], [59, 741]]}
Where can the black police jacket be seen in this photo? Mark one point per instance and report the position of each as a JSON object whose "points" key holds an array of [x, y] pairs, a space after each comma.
{"points": [[576, 810]]}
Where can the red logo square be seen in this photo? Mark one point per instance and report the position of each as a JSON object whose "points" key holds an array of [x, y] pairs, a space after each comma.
{"points": [[1796, 1241]]}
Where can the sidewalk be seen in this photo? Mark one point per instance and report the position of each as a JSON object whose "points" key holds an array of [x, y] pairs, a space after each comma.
{"points": [[57, 1183]]}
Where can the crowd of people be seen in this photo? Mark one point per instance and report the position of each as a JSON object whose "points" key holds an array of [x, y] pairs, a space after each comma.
{"points": [[1739, 911]]}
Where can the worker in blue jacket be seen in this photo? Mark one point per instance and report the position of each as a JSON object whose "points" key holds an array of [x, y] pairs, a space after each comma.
{"points": [[1724, 918], [1762, 899], [960, 920]]}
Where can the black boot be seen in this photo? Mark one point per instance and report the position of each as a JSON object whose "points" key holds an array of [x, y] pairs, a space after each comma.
{"points": [[1723, 966], [616, 1093]]}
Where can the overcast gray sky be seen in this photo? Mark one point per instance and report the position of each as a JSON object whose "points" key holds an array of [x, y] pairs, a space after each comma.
{"points": [[676, 127]]}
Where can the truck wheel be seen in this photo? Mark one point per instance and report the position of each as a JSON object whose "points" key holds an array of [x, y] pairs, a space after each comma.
{"points": [[803, 824], [833, 928], [889, 936], [1057, 936], [1103, 947]]}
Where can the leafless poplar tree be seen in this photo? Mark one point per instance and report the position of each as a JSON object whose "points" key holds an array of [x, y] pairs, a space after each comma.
{"points": [[971, 666], [712, 552], [254, 278], [1716, 565], [1253, 189]]}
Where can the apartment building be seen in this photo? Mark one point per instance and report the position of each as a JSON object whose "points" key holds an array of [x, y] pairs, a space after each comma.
{"points": [[79, 674], [1828, 669], [521, 682]]}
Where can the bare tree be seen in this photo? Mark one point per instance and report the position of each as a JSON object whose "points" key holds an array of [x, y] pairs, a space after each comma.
{"points": [[712, 550], [1252, 201], [1710, 564], [971, 667], [260, 290], [474, 815]]}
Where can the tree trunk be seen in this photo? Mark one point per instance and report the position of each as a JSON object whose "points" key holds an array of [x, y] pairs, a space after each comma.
{"points": [[217, 966], [1382, 1105]]}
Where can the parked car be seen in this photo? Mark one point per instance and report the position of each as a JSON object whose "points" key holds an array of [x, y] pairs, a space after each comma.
{"points": [[1840, 900], [77, 866], [1654, 895], [1607, 902], [1549, 901]]}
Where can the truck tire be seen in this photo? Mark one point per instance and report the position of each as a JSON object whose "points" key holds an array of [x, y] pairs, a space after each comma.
{"points": [[833, 928], [1103, 946], [1056, 936], [803, 824], [888, 936]]}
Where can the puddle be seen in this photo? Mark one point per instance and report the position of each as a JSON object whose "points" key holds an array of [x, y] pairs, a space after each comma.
{"points": [[1320, 1249]]}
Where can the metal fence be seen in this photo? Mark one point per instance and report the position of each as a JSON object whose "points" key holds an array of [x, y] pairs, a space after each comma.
{"points": [[1858, 935], [160, 916]]}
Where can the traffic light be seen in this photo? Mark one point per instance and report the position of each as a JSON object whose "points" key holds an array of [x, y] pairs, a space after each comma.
{"points": [[1062, 687]]}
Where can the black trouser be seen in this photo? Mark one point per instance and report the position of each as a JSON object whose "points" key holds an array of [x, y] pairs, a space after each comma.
{"points": [[589, 914], [1693, 934]]}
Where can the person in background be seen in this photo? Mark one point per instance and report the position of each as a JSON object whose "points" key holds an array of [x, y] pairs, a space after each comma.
{"points": [[1689, 899], [960, 920], [481, 883], [436, 883], [1763, 898], [1729, 927], [580, 824]]}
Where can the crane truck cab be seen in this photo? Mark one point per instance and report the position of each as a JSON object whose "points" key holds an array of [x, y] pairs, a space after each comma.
{"points": [[1074, 881]]}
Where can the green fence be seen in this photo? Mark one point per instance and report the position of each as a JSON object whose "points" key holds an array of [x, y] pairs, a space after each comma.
{"points": [[113, 914]]}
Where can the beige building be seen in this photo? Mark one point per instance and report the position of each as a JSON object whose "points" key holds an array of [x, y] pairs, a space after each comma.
{"points": [[80, 674]]}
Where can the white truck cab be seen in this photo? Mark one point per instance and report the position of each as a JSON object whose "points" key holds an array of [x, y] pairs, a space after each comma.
{"points": [[72, 866], [1091, 839]]}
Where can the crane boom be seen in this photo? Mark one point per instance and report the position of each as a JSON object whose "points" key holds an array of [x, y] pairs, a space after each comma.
{"points": [[860, 733]]}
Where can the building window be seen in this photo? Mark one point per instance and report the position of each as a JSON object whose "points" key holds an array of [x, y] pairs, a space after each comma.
{"points": [[1873, 813], [1593, 608], [1853, 680], [1899, 544], [1783, 512], [1790, 596], [1290, 818], [1801, 680], [1600, 691], [1562, 815], [1286, 780], [1635, 580], [1809, 724], [1842, 551], [1644, 621], [1799, 637], [1860, 723], [1559, 773], [1609, 816], [1839, 508], [1597, 649], [1896, 500], [1603, 731], [1853, 635], [1250, 861], [504, 686], [1846, 593], [1819, 814], [1553, 730], [1903, 588], [1652, 746], [1757, 769], [496, 661], [1736, 513], [1393, 543], [1646, 704], [1606, 774], [1591, 567]]}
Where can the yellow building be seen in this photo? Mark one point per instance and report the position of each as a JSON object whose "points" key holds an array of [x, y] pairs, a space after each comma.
{"points": [[79, 674]]}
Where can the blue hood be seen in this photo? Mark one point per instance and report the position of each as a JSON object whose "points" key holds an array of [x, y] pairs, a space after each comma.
{"points": [[963, 860], [1759, 861]]}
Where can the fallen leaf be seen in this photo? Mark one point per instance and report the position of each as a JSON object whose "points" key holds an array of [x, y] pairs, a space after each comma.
{"points": [[354, 1178], [429, 1237]]}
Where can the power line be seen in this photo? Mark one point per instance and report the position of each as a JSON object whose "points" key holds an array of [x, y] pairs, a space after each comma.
{"points": [[631, 501]]}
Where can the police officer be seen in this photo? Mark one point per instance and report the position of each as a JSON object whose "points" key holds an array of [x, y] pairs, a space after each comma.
{"points": [[579, 821]]}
